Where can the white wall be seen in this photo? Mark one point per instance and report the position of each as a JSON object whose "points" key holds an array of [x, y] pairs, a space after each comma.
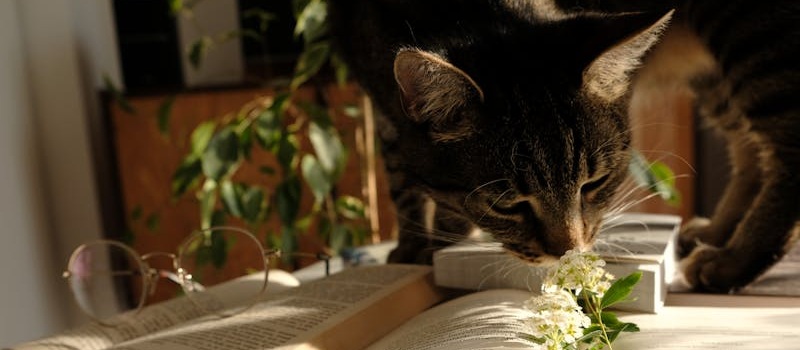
{"points": [[52, 55], [28, 300]]}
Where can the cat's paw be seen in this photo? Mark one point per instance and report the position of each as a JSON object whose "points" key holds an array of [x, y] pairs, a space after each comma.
{"points": [[713, 269], [692, 234]]}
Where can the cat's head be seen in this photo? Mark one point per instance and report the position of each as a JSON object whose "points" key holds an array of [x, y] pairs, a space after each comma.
{"points": [[525, 135]]}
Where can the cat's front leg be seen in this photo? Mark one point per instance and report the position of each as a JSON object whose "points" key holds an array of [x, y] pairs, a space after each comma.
{"points": [[413, 237], [739, 195], [424, 229], [757, 243]]}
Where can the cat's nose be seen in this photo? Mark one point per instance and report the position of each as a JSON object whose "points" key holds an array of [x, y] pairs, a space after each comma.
{"points": [[565, 237], [559, 247]]}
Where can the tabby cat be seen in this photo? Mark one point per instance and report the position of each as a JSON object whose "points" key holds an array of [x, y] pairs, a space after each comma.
{"points": [[511, 116]]}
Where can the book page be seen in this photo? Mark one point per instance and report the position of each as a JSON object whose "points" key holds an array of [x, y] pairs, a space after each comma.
{"points": [[483, 320], [493, 320], [729, 322], [129, 325], [347, 310]]}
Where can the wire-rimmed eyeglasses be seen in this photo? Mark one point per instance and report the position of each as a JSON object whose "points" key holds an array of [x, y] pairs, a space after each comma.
{"points": [[202, 267]]}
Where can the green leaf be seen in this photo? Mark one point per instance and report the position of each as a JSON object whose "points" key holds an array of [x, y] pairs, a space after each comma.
{"points": [[304, 223], [329, 149], [298, 6], [219, 249], [208, 198], [319, 113], [620, 289], [590, 333], [198, 50], [117, 95], [614, 332], [230, 194], [655, 176], [324, 228], [340, 69], [269, 128], [358, 235], [246, 141], [175, 6], [609, 319], [350, 207], [287, 151], [221, 155], [262, 16], [187, 175], [253, 204], [201, 136], [310, 62], [273, 240], [351, 111], [311, 22], [164, 113], [136, 213], [153, 222], [315, 177], [665, 183], [288, 243], [287, 196], [339, 238]]}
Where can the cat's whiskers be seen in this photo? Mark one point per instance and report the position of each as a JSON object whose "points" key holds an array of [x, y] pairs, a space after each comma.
{"points": [[499, 197], [503, 265], [482, 186], [433, 233], [664, 155], [617, 247], [623, 201], [609, 141], [626, 190]]}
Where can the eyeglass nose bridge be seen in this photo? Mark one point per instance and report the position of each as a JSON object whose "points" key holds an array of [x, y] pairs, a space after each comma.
{"points": [[152, 275]]}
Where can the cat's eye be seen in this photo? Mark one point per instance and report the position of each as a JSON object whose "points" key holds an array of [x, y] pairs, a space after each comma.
{"points": [[591, 186]]}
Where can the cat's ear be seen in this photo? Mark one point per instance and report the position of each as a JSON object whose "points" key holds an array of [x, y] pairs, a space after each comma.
{"points": [[434, 91], [614, 46]]}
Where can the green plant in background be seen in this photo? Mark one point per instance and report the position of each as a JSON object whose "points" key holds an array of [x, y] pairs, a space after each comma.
{"points": [[276, 125]]}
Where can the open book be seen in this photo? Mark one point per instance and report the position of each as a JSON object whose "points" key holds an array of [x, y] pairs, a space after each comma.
{"points": [[385, 307], [495, 319], [347, 310], [628, 243]]}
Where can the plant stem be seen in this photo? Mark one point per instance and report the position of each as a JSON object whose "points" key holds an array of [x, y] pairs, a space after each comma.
{"points": [[592, 303]]}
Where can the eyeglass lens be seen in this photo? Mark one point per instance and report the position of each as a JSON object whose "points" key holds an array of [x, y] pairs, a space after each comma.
{"points": [[97, 270], [224, 269], [221, 270]]}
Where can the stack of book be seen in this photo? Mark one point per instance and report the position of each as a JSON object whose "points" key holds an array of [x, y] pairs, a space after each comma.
{"points": [[630, 242]]}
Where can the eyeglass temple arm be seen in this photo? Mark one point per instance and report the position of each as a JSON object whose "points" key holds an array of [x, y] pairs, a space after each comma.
{"points": [[112, 273], [319, 256]]}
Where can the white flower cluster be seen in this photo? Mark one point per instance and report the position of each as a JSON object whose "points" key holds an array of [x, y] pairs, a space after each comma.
{"points": [[557, 319], [577, 272]]}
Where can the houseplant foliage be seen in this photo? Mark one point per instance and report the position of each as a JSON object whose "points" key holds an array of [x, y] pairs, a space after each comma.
{"points": [[277, 126]]}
